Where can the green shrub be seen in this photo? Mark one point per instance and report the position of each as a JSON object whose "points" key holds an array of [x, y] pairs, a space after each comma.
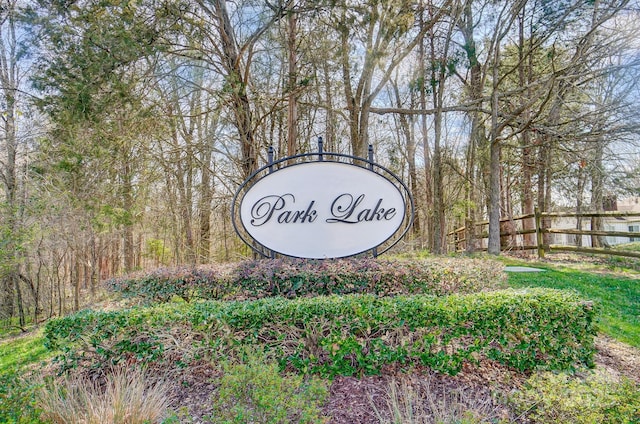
{"points": [[351, 334], [346, 335], [298, 277], [440, 276], [187, 283], [562, 398], [107, 338], [254, 391]]}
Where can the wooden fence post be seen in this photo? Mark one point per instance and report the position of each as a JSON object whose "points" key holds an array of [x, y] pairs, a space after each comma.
{"points": [[539, 239]]}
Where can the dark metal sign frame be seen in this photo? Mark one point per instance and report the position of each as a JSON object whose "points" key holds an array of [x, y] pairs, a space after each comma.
{"points": [[322, 156]]}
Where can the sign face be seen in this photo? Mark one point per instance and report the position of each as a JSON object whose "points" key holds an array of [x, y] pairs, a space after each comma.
{"points": [[321, 210]]}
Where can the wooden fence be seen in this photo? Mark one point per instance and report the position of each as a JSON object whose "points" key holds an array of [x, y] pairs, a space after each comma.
{"points": [[540, 224]]}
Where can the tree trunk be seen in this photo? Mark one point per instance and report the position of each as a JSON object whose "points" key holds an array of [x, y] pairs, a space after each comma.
{"points": [[525, 71], [437, 181], [236, 78], [206, 197], [426, 148], [477, 138], [75, 278], [579, 202], [186, 203], [597, 194], [406, 125], [353, 105], [128, 201], [330, 135], [8, 79], [292, 106], [60, 286], [494, 163], [494, 195], [438, 81]]}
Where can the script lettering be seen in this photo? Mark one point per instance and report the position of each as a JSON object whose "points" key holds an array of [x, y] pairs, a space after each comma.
{"points": [[344, 210], [274, 205]]}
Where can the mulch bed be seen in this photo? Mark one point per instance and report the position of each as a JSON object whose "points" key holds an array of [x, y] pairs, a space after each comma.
{"points": [[363, 400]]}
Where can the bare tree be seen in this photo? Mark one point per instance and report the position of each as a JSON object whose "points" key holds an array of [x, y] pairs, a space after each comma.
{"points": [[11, 228], [371, 29]]}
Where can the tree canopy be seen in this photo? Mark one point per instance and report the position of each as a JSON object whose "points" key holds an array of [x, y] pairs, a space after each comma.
{"points": [[127, 126]]}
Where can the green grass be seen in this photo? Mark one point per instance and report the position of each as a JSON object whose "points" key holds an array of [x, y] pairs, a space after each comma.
{"points": [[18, 385], [632, 247], [617, 297], [22, 351]]}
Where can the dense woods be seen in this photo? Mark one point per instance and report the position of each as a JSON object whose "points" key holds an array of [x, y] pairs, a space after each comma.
{"points": [[128, 126]]}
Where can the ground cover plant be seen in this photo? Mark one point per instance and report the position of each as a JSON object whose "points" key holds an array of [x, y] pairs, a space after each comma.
{"points": [[16, 352], [384, 277], [18, 398], [549, 398], [18, 385], [186, 283], [633, 246]]}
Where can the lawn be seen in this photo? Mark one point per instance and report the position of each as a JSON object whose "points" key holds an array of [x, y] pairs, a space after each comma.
{"points": [[18, 356], [617, 297], [20, 351]]}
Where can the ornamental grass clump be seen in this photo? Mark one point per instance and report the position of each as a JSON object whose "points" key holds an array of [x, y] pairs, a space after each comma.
{"points": [[125, 398], [414, 401]]}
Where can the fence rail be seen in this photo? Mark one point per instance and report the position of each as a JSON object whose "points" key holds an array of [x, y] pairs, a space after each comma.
{"points": [[541, 223]]}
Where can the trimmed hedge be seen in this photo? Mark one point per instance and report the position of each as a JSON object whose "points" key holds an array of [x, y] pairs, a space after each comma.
{"points": [[293, 278], [187, 283], [347, 335]]}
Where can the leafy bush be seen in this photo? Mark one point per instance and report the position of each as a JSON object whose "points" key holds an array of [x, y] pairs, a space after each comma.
{"points": [[162, 284], [345, 335], [290, 278], [254, 391], [293, 278], [131, 336], [361, 333], [562, 398]]}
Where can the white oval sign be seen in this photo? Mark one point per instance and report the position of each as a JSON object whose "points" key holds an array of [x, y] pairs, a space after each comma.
{"points": [[322, 210]]}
